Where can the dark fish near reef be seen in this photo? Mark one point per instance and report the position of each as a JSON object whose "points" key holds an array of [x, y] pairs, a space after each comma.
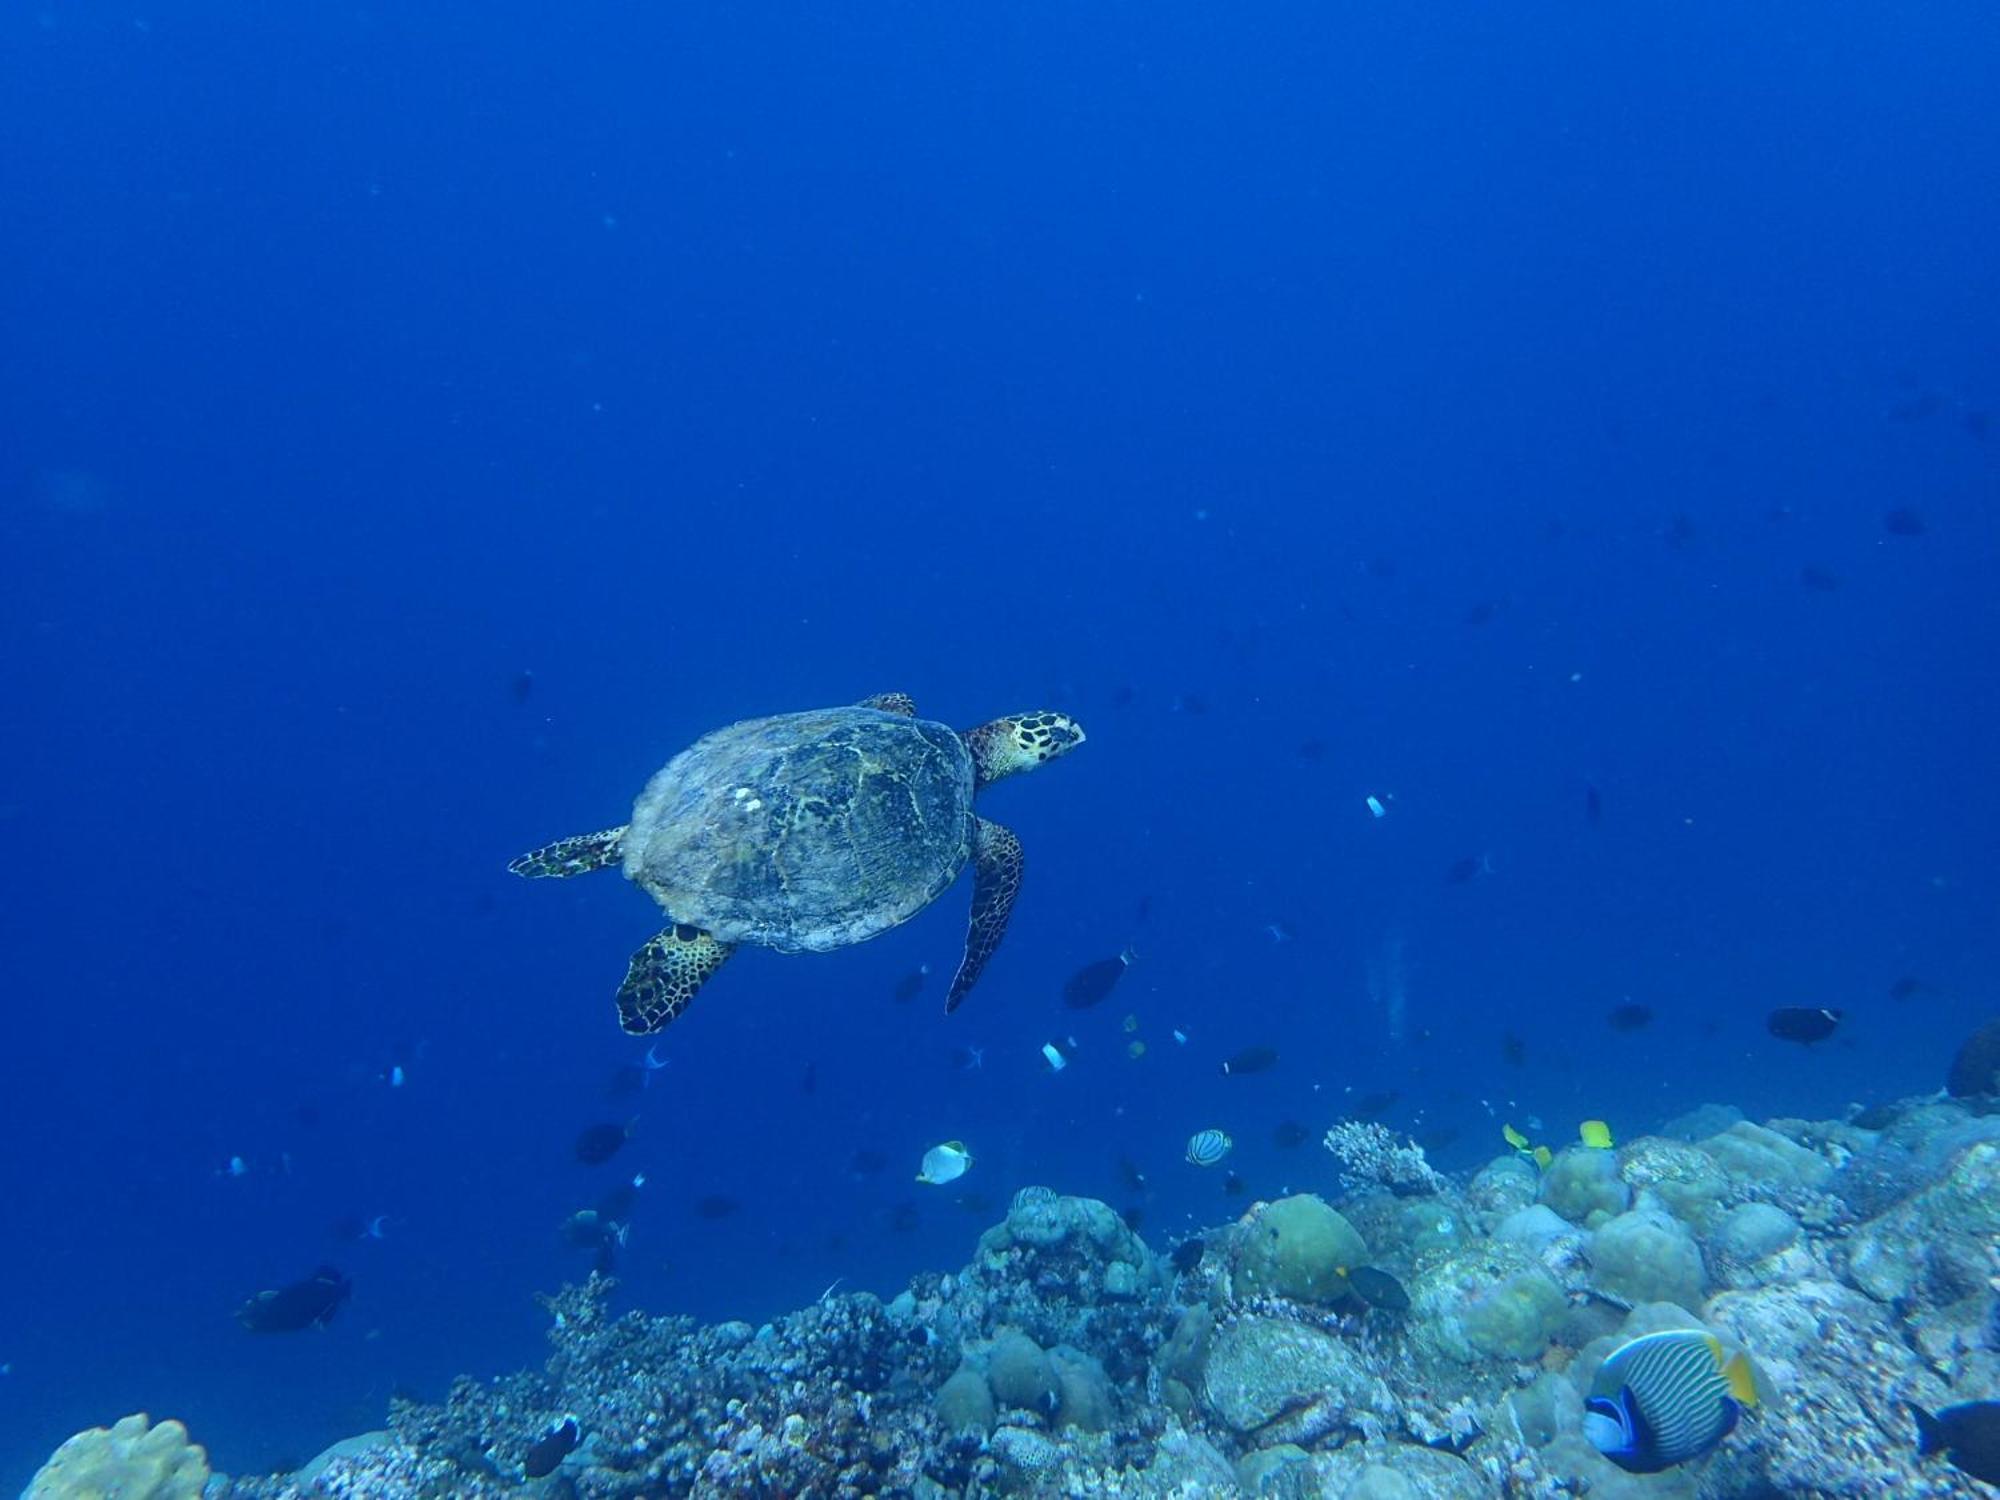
{"points": [[1907, 988], [866, 1163], [551, 1449], [1968, 1435], [1233, 1186], [619, 1202], [524, 686], [1976, 1069], [1666, 1398], [911, 984], [1187, 1254], [1903, 521], [1134, 1217], [904, 1218], [599, 1143], [1252, 1060], [1090, 984], [1374, 1106], [310, 1303], [1804, 1024], [1818, 580], [1130, 1174], [716, 1206], [1290, 1134], [1514, 1050], [1378, 1288], [1481, 613], [1629, 1017]]}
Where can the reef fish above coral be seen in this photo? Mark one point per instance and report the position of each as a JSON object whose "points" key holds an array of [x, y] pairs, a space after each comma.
{"points": [[1854, 1266]]}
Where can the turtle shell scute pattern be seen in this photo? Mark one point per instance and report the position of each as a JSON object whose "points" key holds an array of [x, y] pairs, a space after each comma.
{"points": [[808, 831]]}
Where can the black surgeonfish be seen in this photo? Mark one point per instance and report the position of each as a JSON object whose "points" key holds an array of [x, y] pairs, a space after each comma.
{"points": [[1968, 1435], [310, 1303], [1093, 982], [1251, 1060], [551, 1449], [1804, 1024]]}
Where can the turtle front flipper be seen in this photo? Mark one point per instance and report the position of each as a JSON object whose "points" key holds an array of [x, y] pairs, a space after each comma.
{"points": [[891, 703], [996, 881], [664, 976], [572, 856]]}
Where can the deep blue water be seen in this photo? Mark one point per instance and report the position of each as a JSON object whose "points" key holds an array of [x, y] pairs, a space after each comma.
{"points": [[1319, 401]]}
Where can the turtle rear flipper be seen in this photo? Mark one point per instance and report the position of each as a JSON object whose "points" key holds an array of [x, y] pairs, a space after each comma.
{"points": [[578, 855], [996, 881], [664, 975]]}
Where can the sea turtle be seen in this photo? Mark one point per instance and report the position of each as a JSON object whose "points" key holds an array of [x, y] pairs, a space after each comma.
{"points": [[809, 831]]}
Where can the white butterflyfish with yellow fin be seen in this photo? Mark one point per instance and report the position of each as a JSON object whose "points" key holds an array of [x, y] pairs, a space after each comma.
{"points": [[946, 1163]]}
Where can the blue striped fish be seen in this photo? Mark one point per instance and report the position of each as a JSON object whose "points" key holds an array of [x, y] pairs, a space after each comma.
{"points": [[1207, 1147], [1666, 1398]]}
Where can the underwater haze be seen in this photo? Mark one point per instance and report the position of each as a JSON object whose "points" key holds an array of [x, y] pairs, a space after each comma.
{"points": [[1576, 430]]}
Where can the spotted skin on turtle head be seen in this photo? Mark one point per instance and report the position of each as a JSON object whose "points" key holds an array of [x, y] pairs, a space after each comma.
{"points": [[577, 855], [892, 703], [664, 975], [996, 881], [1021, 742]]}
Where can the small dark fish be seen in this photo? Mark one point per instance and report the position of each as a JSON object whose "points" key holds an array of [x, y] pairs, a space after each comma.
{"points": [[976, 1203], [1877, 1116], [1593, 806], [1378, 1288], [1975, 1071], [866, 1163], [1481, 613], [1818, 580], [524, 686], [310, 1303], [1130, 1175], [1436, 1138], [1252, 1060], [1143, 910], [1804, 1024], [809, 1080], [599, 1143], [1289, 1135], [1680, 531], [1190, 703], [551, 1449], [1134, 1217], [1090, 984], [904, 1219], [1312, 750], [1514, 1050], [1374, 1106], [1916, 408], [1463, 871], [1907, 988], [911, 984], [1968, 1435], [1904, 520], [1187, 1254], [1233, 1186], [626, 1079], [1122, 696], [1629, 1017], [716, 1206]]}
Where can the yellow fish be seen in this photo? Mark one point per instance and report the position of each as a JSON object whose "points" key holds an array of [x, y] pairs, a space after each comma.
{"points": [[1513, 1138], [1595, 1134], [1543, 1156]]}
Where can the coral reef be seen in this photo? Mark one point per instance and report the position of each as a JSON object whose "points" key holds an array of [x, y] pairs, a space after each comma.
{"points": [[1856, 1262], [129, 1459]]}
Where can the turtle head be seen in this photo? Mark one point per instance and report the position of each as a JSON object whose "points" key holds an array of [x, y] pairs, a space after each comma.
{"points": [[1021, 742]]}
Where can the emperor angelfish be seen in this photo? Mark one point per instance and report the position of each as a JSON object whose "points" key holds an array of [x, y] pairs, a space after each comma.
{"points": [[1666, 1398]]}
